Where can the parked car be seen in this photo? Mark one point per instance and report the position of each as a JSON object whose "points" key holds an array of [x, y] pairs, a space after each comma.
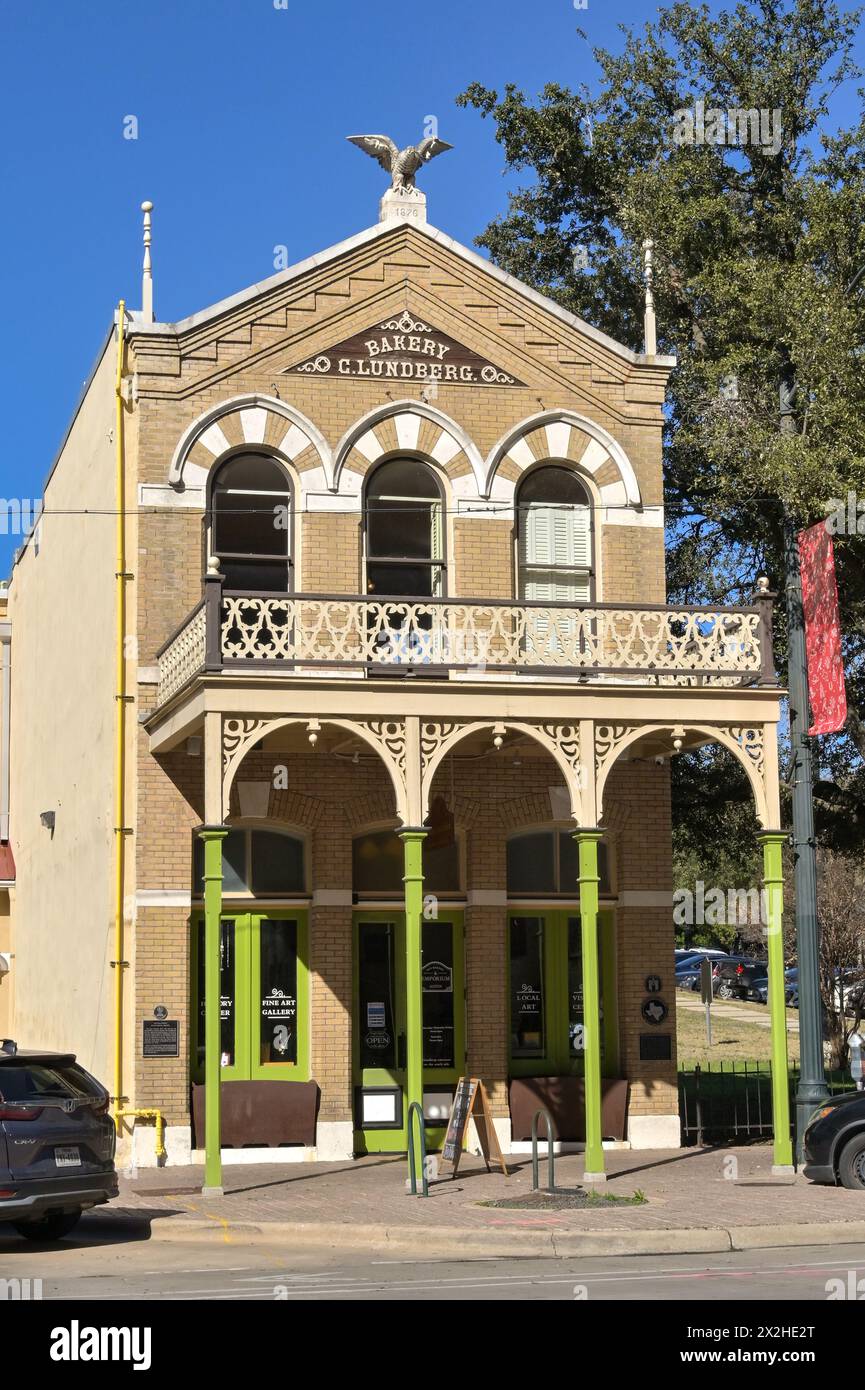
{"points": [[688, 969], [835, 1141], [760, 988], [57, 1142], [734, 978]]}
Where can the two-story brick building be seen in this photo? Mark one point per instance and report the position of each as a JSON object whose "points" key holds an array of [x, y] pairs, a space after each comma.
{"points": [[360, 714]]}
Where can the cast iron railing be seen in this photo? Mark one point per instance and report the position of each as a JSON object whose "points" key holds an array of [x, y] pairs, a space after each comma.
{"points": [[641, 644], [731, 1102]]}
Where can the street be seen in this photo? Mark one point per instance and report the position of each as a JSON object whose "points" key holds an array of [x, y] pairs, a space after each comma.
{"points": [[121, 1268]]}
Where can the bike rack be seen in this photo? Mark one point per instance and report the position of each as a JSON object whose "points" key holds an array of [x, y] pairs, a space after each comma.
{"points": [[551, 1161], [417, 1108]]}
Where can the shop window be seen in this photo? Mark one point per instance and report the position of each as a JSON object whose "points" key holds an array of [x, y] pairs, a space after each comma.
{"points": [[555, 537], [261, 863], [377, 865], [545, 863], [250, 514], [547, 1011], [404, 531]]}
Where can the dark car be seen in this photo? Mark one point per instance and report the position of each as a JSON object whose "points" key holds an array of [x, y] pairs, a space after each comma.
{"points": [[735, 979], [835, 1141], [57, 1142]]}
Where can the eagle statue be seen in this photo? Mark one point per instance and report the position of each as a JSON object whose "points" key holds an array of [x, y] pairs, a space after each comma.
{"points": [[402, 165]]}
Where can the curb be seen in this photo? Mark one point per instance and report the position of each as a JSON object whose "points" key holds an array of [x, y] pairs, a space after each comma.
{"points": [[468, 1243]]}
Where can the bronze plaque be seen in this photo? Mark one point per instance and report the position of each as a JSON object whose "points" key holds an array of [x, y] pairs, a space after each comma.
{"points": [[405, 348]]}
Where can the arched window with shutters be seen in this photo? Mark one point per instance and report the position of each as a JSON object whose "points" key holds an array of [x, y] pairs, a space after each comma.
{"points": [[250, 523], [554, 533]]}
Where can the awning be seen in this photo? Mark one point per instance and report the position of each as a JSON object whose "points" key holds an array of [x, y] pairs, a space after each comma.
{"points": [[7, 863]]}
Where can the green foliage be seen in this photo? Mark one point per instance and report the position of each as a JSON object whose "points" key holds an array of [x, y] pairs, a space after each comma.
{"points": [[759, 279]]}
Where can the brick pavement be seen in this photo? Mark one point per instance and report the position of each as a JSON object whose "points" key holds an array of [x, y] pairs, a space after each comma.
{"points": [[686, 1190]]}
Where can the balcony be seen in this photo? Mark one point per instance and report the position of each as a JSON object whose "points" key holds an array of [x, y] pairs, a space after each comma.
{"points": [[299, 635]]}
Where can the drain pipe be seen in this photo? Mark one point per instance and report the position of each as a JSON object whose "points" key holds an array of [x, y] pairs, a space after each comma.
{"points": [[122, 699]]}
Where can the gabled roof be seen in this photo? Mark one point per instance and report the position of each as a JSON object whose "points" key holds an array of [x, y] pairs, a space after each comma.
{"points": [[382, 229]]}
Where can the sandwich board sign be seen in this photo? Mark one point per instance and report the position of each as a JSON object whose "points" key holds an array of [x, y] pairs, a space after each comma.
{"points": [[470, 1103]]}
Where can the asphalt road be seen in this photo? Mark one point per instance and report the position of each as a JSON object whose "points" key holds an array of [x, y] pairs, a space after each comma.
{"points": [[124, 1268]]}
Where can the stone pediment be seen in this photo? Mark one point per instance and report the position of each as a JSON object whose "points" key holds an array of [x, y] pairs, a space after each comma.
{"points": [[405, 347]]}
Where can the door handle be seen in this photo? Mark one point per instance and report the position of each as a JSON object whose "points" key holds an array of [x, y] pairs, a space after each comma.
{"points": [[401, 1052]]}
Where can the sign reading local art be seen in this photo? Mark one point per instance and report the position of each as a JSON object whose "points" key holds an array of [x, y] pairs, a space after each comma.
{"points": [[406, 349]]}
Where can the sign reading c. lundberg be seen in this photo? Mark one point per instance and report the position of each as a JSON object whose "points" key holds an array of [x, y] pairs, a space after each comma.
{"points": [[406, 349]]}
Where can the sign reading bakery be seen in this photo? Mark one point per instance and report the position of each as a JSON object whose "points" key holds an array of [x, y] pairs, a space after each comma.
{"points": [[406, 349]]}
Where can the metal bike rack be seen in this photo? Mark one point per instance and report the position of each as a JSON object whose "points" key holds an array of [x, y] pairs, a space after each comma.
{"points": [[417, 1108], [551, 1160]]}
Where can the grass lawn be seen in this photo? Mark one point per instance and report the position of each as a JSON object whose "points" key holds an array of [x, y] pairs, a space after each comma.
{"points": [[733, 1039]]}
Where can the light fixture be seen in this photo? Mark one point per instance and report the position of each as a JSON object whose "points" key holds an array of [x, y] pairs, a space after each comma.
{"points": [[193, 746]]}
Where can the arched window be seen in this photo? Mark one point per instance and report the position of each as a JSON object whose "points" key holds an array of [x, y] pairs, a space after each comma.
{"points": [[555, 537], [378, 865], [250, 521], [546, 863], [404, 540]]}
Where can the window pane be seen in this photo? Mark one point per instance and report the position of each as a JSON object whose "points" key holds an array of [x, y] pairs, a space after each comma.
{"points": [[527, 987], [254, 472], [401, 529], [233, 862], [569, 865], [262, 576], [278, 1004], [226, 992], [377, 865], [411, 581], [531, 863], [403, 478], [438, 995], [552, 484], [376, 994], [277, 863], [251, 524]]}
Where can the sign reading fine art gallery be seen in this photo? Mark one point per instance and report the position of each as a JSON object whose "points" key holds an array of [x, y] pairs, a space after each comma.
{"points": [[406, 349]]}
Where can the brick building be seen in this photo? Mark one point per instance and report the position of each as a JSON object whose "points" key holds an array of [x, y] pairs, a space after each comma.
{"points": [[387, 692]]}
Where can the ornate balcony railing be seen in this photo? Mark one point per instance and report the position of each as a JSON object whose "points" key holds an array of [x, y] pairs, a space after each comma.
{"points": [[646, 644]]}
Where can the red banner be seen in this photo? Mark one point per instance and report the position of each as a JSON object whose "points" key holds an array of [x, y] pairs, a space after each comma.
{"points": [[822, 630]]}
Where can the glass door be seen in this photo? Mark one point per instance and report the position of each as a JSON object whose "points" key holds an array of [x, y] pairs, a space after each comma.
{"points": [[545, 993], [264, 994], [380, 1040]]}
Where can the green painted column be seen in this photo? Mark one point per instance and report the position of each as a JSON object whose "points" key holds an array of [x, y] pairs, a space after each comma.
{"points": [[413, 880], [587, 843], [773, 880], [213, 836]]}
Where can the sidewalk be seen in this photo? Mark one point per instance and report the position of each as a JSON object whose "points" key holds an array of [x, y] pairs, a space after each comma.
{"points": [[691, 1206]]}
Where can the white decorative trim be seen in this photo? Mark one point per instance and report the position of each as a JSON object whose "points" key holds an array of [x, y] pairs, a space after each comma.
{"points": [[509, 443], [214, 440], [154, 495], [253, 423], [407, 430], [207, 431], [446, 448], [558, 438], [163, 897], [629, 516], [294, 442], [148, 675], [368, 445], [365, 427]]}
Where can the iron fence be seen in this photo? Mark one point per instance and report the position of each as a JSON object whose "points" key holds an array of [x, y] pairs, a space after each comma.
{"points": [[731, 1102]]}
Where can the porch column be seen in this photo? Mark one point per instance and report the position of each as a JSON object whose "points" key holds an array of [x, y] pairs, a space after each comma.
{"points": [[412, 840], [773, 879], [587, 843], [213, 836]]}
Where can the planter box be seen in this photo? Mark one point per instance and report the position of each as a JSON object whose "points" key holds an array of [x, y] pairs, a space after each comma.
{"points": [[260, 1113]]}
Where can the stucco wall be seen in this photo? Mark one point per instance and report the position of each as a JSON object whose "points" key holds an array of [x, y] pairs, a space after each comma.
{"points": [[62, 611]]}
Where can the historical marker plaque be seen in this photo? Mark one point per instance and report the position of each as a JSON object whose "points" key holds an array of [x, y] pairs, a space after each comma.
{"points": [[161, 1037]]}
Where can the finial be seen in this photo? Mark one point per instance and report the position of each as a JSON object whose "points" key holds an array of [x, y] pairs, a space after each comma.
{"points": [[649, 329], [147, 272]]}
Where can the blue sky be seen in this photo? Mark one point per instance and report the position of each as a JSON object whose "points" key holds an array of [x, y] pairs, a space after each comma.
{"points": [[242, 113]]}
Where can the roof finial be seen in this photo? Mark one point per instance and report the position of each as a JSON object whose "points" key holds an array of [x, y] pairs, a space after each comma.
{"points": [[147, 271], [649, 328]]}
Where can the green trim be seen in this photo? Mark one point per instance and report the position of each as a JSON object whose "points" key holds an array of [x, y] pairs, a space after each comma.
{"points": [[557, 1059], [396, 1140], [587, 840], [773, 878], [247, 998], [413, 879], [212, 1072]]}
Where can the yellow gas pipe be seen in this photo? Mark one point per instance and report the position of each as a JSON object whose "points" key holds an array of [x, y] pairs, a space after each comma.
{"points": [[121, 697]]}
